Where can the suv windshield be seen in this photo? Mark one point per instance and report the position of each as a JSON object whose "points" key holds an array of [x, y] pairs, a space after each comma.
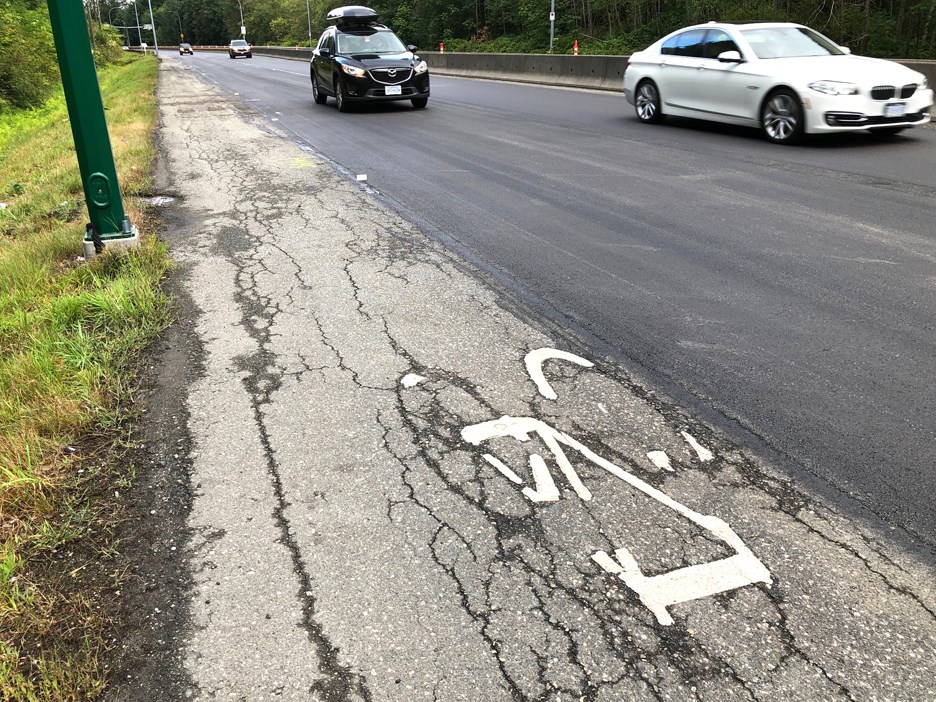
{"points": [[789, 42], [238, 42], [374, 42]]}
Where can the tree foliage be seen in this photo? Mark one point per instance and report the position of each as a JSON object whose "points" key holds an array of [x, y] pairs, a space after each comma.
{"points": [[28, 67], [892, 28]]}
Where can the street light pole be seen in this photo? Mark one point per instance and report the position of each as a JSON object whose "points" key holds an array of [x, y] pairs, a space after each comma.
{"points": [[109, 225], [153, 24], [243, 28], [137, 15], [309, 13], [552, 23]]}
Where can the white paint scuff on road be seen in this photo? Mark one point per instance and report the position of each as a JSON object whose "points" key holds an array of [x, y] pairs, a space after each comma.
{"points": [[534, 365], [660, 460], [411, 380], [703, 453]]}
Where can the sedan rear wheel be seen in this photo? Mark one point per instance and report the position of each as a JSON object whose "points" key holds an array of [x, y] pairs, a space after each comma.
{"points": [[782, 117], [647, 103]]}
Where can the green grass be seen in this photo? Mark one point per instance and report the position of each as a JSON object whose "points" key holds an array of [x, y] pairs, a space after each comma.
{"points": [[71, 334]]}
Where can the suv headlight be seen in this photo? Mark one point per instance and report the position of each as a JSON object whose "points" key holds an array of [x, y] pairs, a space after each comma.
{"points": [[834, 87], [353, 71], [422, 67]]}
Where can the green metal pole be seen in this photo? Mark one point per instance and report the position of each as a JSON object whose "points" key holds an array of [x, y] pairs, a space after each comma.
{"points": [[89, 128]]}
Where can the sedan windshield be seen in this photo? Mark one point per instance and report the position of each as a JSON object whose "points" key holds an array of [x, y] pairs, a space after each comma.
{"points": [[375, 43], [789, 42]]}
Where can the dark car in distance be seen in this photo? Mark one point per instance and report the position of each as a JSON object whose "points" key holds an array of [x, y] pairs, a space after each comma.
{"points": [[185, 49], [239, 47], [359, 60]]}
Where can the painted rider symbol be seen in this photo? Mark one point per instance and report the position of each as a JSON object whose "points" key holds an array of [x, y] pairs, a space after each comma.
{"points": [[657, 592]]}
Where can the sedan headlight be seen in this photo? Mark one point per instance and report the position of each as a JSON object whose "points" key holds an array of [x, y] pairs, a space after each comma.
{"points": [[834, 87], [353, 71], [422, 67], [924, 84]]}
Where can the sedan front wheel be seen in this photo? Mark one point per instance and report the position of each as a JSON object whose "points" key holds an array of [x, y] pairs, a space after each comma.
{"points": [[782, 117]]}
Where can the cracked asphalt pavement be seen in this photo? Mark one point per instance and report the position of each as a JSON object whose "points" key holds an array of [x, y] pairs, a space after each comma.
{"points": [[386, 504]]}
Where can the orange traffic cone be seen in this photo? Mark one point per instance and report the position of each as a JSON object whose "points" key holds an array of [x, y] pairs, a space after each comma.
{"points": [[442, 47], [575, 48]]}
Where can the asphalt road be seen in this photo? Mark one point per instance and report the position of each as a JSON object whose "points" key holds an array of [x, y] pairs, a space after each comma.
{"points": [[368, 473], [790, 290]]}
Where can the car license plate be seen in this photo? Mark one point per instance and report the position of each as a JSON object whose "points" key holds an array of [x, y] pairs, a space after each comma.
{"points": [[397, 90], [895, 109]]}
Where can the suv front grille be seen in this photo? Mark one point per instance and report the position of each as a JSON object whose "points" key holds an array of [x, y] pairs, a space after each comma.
{"points": [[399, 75]]}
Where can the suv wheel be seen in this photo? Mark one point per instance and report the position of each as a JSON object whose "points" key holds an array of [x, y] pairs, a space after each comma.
{"points": [[420, 103], [317, 95], [339, 97]]}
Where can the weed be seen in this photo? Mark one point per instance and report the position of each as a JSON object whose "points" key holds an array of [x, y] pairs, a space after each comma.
{"points": [[70, 337]]}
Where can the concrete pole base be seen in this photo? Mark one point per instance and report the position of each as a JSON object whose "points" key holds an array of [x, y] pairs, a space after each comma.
{"points": [[123, 242]]}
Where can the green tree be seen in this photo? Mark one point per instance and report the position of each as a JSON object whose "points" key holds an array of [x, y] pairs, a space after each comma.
{"points": [[28, 66]]}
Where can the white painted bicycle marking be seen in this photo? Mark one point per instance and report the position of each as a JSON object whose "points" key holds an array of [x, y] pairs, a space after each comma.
{"points": [[411, 380], [703, 453], [505, 471], [660, 460], [534, 365], [658, 592]]}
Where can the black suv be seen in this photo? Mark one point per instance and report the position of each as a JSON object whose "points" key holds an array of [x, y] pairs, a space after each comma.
{"points": [[357, 59]]}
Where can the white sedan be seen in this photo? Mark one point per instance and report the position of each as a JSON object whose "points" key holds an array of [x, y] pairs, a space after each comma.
{"points": [[784, 78]]}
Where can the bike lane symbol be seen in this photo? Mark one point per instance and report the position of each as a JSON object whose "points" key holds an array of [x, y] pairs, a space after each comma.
{"points": [[657, 592]]}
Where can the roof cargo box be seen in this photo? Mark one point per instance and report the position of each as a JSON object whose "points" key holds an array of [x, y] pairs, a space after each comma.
{"points": [[352, 14]]}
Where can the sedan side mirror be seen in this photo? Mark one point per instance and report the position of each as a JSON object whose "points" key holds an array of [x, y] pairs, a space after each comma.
{"points": [[411, 48], [845, 49], [730, 57]]}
